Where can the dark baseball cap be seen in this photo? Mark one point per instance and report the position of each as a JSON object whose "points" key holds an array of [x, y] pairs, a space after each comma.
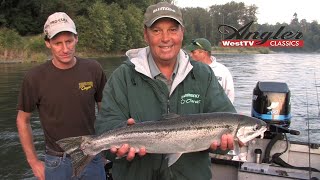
{"points": [[162, 10], [200, 43]]}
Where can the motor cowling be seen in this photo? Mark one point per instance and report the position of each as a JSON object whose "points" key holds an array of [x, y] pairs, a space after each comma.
{"points": [[271, 103]]}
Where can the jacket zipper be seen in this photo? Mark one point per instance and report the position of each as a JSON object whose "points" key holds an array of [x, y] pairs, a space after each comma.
{"points": [[168, 106]]}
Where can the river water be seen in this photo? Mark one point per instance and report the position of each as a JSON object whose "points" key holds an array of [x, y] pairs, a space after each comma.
{"points": [[300, 71]]}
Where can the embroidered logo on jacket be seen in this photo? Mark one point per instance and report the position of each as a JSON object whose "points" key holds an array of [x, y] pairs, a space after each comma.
{"points": [[190, 99], [84, 86]]}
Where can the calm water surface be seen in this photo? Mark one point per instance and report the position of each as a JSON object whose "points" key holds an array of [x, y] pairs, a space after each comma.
{"points": [[300, 71]]}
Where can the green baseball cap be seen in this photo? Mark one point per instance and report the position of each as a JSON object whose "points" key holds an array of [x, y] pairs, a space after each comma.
{"points": [[162, 10], [200, 43]]}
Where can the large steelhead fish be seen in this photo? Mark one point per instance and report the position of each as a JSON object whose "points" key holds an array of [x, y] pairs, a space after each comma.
{"points": [[173, 135]]}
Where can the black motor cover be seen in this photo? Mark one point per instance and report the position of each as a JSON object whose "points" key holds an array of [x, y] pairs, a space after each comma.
{"points": [[271, 103]]}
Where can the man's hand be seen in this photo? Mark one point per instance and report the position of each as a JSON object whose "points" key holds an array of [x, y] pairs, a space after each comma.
{"points": [[225, 143], [125, 149], [38, 169]]}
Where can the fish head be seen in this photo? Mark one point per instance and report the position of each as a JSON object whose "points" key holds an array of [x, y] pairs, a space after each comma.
{"points": [[250, 128]]}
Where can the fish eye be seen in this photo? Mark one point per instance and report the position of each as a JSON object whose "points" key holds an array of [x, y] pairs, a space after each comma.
{"points": [[255, 127]]}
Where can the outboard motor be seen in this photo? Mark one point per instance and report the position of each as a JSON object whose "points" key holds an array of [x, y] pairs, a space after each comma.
{"points": [[271, 103]]}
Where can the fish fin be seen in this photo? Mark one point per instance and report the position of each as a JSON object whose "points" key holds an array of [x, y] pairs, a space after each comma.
{"points": [[170, 116], [236, 147], [172, 158], [79, 161], [71, 146]]}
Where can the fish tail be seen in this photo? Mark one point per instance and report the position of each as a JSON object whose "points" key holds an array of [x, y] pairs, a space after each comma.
{"points": [[71, 146]]}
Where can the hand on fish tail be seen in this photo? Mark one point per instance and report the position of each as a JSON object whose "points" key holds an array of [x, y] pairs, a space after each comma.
{"points": [[72, 146]]}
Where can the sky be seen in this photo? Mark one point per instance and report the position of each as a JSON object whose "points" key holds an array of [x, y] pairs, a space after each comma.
{"points": [[269, 11]]}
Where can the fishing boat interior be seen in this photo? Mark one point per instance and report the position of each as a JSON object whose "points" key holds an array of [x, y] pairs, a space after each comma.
{"points": [[274, 156]]}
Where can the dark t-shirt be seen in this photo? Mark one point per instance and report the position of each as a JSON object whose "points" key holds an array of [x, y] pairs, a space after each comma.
{"points": [[65, 99]]}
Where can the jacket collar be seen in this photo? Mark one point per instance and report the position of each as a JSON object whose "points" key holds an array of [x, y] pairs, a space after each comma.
{"points": [[139, 58]]}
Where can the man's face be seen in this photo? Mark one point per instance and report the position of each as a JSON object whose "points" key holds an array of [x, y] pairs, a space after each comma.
{"points": [[165, 39], [63, 47], [198, 55]]}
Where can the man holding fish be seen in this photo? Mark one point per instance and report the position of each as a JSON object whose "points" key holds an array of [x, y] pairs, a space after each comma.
{"points": [[162, 111], [157, 80]]}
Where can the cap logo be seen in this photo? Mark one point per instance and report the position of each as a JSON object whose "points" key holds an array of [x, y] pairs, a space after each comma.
{"points": [[163, 9], [58, 22], [61, 20]]}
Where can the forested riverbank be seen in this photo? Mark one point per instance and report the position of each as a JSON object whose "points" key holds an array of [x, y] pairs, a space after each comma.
{"points": [[109, 27]]}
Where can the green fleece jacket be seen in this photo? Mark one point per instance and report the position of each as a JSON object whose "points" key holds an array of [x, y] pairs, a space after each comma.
{"points": [[131, 92]]}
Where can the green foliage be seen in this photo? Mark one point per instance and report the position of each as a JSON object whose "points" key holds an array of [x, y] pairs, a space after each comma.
{"points": [[35, 44], [28, 16], [117, 22], [134, 24], [10, 39], [95, 31], [14, 47], [197, 24], [108, 28], [142, 4], [21, 15], [113, 26], [37, 57]]}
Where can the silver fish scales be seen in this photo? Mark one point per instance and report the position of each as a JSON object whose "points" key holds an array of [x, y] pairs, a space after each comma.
{"points": [[173, 135]]}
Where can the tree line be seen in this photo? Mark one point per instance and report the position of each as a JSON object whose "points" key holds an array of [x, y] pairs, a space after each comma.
{"points": [[204, 23], [110, 26]]}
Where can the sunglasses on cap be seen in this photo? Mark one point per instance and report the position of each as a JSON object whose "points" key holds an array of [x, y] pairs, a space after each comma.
{"points": [[197, 44]]}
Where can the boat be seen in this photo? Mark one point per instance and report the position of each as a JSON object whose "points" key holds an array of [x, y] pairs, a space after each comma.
{"points": [[298, 161], [272, 156]]}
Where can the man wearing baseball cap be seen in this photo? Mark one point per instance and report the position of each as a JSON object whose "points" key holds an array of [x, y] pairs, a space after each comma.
{"points": [[160, 80], [64, 90], [200, 50]]}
